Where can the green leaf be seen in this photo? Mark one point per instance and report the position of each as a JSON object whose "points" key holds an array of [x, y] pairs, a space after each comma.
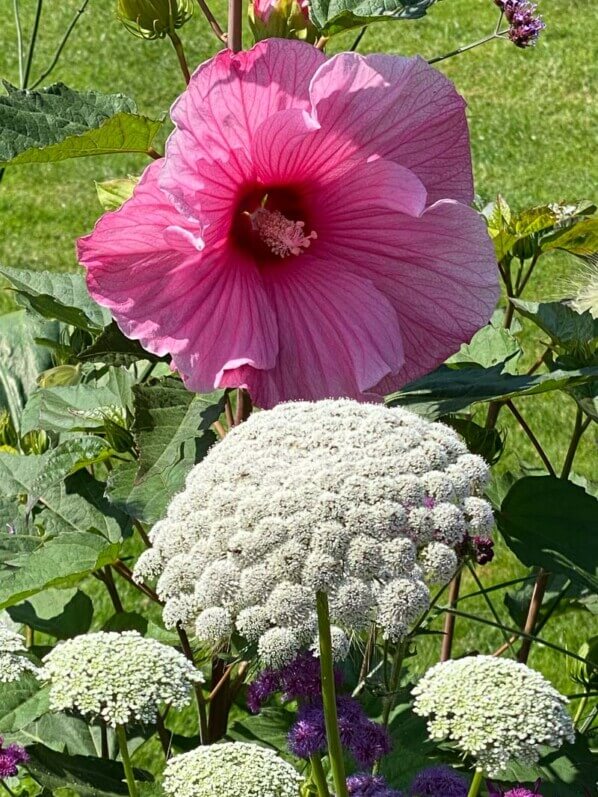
{"points": [[60, 562], [66, 459], [485, 442], [60, 613], [172, 432], [448, 390], [82, 407], [21, 702], [269, 728], [60, 296], [87, 776], [113, 193], [113, 348], [21, 359], [551, 523], [56, 123], [18, 473], [489, 346], [334, 16], [567, 772], [580, 239], [561, 322]]}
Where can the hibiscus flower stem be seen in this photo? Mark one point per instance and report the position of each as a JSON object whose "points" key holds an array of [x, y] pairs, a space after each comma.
{"points": [[178, 48], [235, 25], [335, 750], [212, 21]]}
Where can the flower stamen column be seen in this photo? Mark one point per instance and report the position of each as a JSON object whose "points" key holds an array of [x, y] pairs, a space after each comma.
{"points": [[335, 750]]}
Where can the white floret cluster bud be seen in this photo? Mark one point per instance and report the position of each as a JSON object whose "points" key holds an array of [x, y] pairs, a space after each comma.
{"points": [[13, 661], [359, 501], [231, 769], [118, 678], [497, 711]]}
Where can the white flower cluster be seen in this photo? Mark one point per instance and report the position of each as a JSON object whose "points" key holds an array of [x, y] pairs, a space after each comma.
{"points": [[12, 661], [118, 677], [360, 501], [498, 711], [232, 769]]}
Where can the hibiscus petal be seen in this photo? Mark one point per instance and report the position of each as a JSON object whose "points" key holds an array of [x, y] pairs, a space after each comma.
{"points": [[338, 335], [206, 308], [438, 271], [400, 109]]}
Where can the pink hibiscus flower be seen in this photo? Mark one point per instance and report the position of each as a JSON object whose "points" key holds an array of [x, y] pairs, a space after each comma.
{"points": [[307, 234]]}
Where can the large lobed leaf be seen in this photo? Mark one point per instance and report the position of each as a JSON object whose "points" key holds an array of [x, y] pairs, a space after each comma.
{"points": [[57, 122]]}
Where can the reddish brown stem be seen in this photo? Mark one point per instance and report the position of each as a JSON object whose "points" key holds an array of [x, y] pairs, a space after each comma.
{"points": [[220, 705], [212, 21], [532, 614], [235, 25], [449, 620]]}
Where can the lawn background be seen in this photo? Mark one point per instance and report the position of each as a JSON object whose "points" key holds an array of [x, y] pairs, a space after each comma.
{"points": [[531, 116]]}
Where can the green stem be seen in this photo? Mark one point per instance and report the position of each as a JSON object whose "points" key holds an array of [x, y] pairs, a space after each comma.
{"points": [[393, 682], [32, 41], [532, 437], [358, 39], [578, 430], [487, 600], [517, 632], [178, 47], [61, 45], [580, 710], [8, 789], [335, 750], [17, 14], [476, 783], [465, 48], [124, 754], [319, 776]]}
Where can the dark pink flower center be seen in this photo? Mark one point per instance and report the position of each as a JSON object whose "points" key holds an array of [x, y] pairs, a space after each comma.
{"points": [[271, 223]]}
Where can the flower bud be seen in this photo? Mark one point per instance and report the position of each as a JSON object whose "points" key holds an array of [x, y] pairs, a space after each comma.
{"points": [[154, 19], [282, 19]]}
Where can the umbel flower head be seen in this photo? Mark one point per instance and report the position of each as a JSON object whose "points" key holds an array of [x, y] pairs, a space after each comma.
{"points": [[230, 770], [118, 677], [308, 233], [497, 711], [13, 662], [358, 501]]}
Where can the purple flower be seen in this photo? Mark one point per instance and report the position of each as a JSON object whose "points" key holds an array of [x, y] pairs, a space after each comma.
{"points": [[438, 781], [365, 740], [299, 679], [483, 549], [518, 791], [10, 758], [370, 786], [525, 24]]}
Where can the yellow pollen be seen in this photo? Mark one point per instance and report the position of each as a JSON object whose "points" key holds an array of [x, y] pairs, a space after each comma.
{"points": [[282, 236]]}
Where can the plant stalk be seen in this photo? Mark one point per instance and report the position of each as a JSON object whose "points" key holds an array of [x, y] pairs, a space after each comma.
{"points": [[319, 776], [124, 754], [61, 45], [212, 21], [465, 48], [32, 41], [19, 29], [449, 620], [180, 52], [533, 611], [235, 25], [476, 783], [335, 750], [199, 696], [578, 430]]}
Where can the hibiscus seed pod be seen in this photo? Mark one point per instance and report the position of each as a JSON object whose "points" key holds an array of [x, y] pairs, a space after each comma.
{"points": [[281, 19], [154, 19]]}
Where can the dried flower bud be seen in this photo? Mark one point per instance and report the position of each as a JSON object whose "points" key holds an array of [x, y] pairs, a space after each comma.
{"points": [[154, 19]]}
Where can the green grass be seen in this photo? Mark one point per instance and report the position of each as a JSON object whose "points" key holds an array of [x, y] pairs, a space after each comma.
{"points": [[531, 121]]}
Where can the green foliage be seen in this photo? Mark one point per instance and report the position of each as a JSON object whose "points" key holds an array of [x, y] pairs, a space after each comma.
{"points": [[57, 123], [335, 16], [112, 193], [59, 613], [551, 523]]}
